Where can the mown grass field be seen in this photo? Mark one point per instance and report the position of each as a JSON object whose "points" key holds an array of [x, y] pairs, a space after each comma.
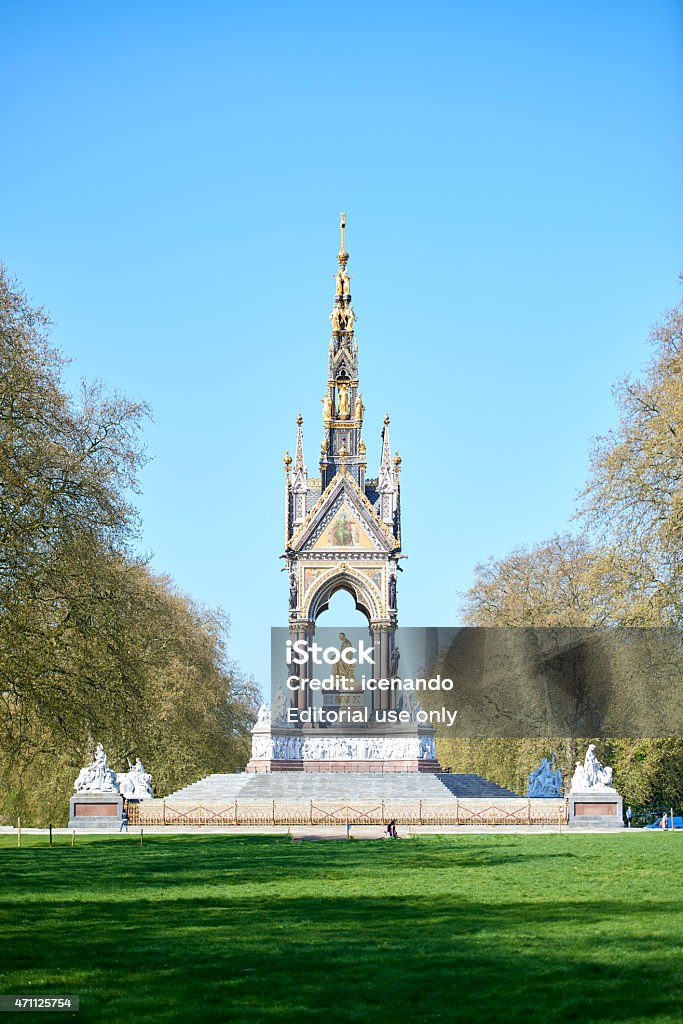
{"points": [[265, 929]]}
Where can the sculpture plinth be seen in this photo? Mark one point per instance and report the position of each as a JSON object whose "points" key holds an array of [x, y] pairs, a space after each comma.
{"points": [[100, 792], [95, 810], [593, 802], [407, 749], [596, 809]]}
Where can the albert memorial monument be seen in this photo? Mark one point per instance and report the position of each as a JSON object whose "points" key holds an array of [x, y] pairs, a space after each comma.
{"points": [[342, 532]]}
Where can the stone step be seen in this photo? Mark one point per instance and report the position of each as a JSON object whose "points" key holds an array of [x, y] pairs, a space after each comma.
{"points": [[299, 786], [463, 785]]}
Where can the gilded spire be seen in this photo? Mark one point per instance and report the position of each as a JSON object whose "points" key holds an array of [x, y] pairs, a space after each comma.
{"points": [[342, 315], [342, 402], [342, 255]]}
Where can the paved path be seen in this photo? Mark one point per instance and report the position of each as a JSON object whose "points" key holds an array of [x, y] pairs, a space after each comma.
{"points": [[331, 832]]}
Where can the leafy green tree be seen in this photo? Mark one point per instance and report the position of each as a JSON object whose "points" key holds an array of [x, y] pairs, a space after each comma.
{"points": [[633, 500], [624, 568], [93, 646]]}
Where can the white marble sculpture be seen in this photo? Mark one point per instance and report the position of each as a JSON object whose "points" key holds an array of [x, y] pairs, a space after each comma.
{"points": [[136, 783], [591, 774], [263, 716], [545, 781], [97, 777], [264, 746], [280, 702], [427, 748], [411, 705]]}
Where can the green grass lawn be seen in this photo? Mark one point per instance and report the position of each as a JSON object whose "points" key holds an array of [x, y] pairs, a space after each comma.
{"points": [[264, 929]]}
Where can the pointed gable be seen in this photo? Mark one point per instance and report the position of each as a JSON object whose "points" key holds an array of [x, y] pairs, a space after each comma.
{"points": [[343, 520]]}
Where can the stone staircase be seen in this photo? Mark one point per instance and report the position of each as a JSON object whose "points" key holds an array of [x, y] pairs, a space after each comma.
{"points": [[352, 786], [475, 786]]}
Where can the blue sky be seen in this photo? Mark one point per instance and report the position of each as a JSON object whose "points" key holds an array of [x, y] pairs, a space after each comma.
{"points": [[171, 182]]}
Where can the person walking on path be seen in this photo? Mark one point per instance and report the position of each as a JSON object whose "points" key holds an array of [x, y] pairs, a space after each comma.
{"points": [[124, 820], [629, 816]]}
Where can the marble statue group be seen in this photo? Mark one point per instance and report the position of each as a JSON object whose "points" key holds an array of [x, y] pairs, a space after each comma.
{"points": [[98, 777], [591, 774], [546, 780]]}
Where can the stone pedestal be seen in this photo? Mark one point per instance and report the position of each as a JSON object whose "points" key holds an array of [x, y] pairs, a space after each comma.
{"points": [[411, 749], [95, 810], [338, 765], [596, 808]]}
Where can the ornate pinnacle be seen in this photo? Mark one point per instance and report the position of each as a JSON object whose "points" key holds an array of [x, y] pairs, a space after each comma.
{"points": [[287, 461], [299, 467], [342, 255]]}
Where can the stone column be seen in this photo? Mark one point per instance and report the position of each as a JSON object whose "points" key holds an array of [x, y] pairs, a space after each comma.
{"points": [[391, 646], [307, 669], [383, 667], [376, 695], [300, 699]]}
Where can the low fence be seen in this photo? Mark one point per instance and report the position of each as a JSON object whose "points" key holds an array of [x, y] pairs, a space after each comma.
{"points": [[310, 812]]}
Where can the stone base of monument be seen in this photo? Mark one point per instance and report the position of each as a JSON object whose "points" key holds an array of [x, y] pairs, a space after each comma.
{"points": [[339, 765], [95, 810], [409, 749], [596, 808]]}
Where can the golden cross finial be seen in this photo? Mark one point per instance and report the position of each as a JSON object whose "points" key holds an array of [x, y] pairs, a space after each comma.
{"points": [[342, 255]]}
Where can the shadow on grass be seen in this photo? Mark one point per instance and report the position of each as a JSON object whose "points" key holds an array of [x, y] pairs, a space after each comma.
{"points": [[211, 858], [210, 943]]}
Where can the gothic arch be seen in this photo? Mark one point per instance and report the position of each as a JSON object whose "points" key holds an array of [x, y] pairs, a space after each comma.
{"points": [[360, 589]]}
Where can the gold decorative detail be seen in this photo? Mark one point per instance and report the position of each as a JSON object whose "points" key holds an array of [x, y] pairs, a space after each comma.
{"points": [[342, 255], [287, 461], [358, 412], [386, 420], [324, 445], [343, 396], [327, 408], [339, 285], [397, 461], [361, 446], [299, 420], [343, 451]]}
